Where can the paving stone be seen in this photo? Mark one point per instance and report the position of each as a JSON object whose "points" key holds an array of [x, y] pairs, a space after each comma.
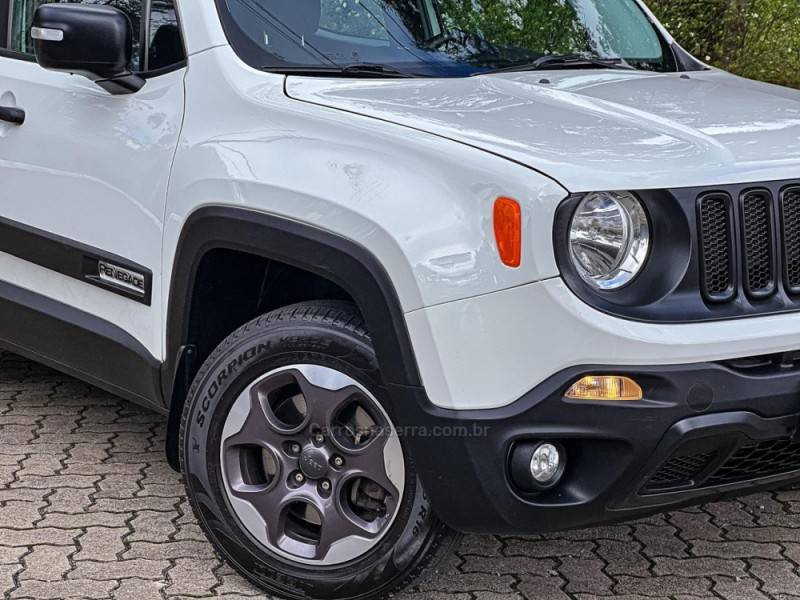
{"points": [[63, 590], [101, 544], [511, 565], [81, 520], [20, 515], [585, 576], [543, 588], [191, 576], [777, 577], [660, 541], [34, 537], [139, 589], [170, 550], [145, 569], [235, 584], [698, 567], [661, 586], [623, 558], [550, 548], [47, 563], [743, 550], [151, 526], [12, 555], [69, 500], [7, 574]]}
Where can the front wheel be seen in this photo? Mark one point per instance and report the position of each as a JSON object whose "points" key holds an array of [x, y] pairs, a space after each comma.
{"points": [[293, 463]]}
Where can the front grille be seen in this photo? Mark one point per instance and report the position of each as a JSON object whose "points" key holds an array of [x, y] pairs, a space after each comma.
{"points": [[716, 235], [679, 472], [755, 460], [790, 223], [754, 240], [759, 272]]}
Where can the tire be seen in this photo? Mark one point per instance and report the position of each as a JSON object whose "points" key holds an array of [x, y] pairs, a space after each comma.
{"points": [[250, 446]]}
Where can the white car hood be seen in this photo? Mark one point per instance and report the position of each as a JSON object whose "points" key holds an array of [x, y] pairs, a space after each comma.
{"points": [[598, 129]]}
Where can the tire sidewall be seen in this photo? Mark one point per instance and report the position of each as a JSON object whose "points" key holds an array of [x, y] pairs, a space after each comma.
{"points": [[240, 360]]}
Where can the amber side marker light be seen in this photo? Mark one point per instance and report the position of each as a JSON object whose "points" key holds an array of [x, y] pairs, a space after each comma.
{"points": [[607, 388], [508, 231]]}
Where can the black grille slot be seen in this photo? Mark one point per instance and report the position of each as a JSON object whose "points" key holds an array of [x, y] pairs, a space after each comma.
{"points": [[755, 461], [790, 224], [678, 472], [716, 237], [757, 243]]}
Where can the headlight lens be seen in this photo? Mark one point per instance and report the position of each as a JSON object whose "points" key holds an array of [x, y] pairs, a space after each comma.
{"points": [[609, 239]]}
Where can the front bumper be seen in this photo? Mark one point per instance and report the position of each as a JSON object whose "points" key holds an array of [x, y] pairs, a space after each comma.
{"points": [[488, 351], [702, 432]]}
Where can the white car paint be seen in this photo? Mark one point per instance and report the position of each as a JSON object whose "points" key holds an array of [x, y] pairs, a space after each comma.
{"points": [[90, 167], [596, 130], [422, 205], [484, 352], [408, 169]]}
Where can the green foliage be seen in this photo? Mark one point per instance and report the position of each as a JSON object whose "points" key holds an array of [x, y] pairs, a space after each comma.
{"points": [[542, 24], [759, 39]]}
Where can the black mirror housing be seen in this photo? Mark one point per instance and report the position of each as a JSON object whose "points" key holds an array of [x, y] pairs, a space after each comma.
{"points": [[88, 40]]}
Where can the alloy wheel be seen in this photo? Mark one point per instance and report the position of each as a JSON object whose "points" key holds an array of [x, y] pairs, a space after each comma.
{"points": [[312, 465]]}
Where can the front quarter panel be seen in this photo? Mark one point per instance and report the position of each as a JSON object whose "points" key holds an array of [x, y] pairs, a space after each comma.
{"points": [[421, 204]]}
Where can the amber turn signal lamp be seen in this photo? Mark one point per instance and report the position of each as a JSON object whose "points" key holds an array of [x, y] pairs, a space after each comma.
{"points": [[605, 388], [508, 231]]}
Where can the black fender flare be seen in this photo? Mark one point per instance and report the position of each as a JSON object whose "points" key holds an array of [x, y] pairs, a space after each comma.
{"points": [[340, 260]]}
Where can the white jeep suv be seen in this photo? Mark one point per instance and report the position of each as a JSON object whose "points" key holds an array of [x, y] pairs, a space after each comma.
{"points": [[398, 268]]}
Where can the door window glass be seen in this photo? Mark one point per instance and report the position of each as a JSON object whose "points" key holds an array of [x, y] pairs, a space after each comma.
{"points": [[4, 14], [165, 44]]}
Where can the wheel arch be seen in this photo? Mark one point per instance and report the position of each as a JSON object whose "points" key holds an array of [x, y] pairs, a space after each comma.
{"points": [[332, 257]]}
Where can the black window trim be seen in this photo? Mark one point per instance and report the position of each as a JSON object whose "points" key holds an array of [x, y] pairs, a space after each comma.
{"points": [[5, 23], [144, 32]]}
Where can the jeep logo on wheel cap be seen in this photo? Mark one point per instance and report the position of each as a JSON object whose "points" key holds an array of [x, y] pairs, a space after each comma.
{"points": [[313, 463]]}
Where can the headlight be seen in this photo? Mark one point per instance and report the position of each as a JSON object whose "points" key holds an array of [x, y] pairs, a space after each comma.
{"points": [[609, 239]]}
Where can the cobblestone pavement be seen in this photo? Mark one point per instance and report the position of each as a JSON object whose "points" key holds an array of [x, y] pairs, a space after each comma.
{"points": [[90, 509]]}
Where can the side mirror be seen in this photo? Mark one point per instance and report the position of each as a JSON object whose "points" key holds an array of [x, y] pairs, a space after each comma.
{"points": [[89, 40]]}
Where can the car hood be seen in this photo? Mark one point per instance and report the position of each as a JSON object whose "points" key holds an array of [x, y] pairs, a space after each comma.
{"points": [[598, 129]]}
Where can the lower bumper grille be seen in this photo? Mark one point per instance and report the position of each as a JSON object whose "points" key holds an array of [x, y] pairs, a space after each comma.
{"points": [[753, 461], [679, 472], [763, 459]]}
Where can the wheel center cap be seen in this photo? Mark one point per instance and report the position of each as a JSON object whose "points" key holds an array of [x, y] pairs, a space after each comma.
{"points": [[314, 463]]}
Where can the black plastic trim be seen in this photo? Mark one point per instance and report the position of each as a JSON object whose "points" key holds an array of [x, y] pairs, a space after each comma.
{"points": [[730, 292], [5, 53], [68, 257], [170, 69], [79, 344], [330, 256], [613, 448], [784, 250], [770, 289], [685, 61]]}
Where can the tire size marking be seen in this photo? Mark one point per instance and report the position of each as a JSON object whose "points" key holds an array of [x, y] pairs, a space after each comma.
{"points": [[223, 375]]}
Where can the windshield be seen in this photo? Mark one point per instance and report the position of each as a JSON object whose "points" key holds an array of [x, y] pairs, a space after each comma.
{"points": [[442, 38]]}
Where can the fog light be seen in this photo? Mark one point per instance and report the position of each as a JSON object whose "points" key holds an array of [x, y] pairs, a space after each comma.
{"points": [[545, 463], [538, 466], [607, 388]]}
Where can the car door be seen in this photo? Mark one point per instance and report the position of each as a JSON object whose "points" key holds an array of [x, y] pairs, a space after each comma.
{"points": [[83, 184]]}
